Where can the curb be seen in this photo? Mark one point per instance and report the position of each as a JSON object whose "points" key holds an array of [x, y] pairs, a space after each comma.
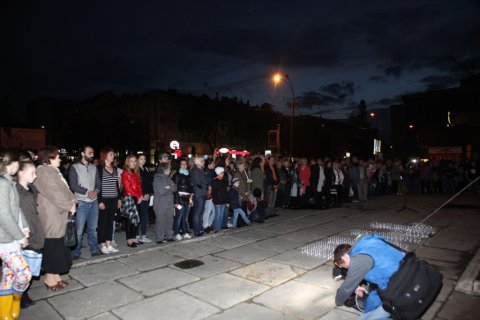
{"points": [[467, 283]]}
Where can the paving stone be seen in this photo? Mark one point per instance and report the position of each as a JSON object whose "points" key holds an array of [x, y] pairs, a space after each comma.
{"points": [[169, 305], [337, 314], [157, 281], [268, 272], [320, 277], [439, 254], [40, 311], [298, 259], [212, 266], [249, 311], [452, 244], [224, 290], [282, 228], [460, 306], [255, 234], [447, 289], [246, 254], [229, 241], [305, 235], [150, 260], [189, 250], [101, 272], [298, 299], [432, 311], [449, 270], [40, 292], [104, 316], [88, 302], [278, 244]]}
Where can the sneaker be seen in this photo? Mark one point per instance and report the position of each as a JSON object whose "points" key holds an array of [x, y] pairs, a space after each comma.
{"points": [[105, 250], [187, 236], [114, 243], [112, 249], [178, 237], [145, 239]]}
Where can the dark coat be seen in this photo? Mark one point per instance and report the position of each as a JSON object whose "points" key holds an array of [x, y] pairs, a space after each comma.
{"points": [[219, 191], [184, 184], [28, 204]]}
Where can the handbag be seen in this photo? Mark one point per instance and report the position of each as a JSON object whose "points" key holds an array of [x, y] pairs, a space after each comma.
{"points": [[70, 238]]}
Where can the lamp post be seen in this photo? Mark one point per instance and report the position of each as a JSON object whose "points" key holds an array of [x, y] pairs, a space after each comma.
{"points": [[277, 78]]}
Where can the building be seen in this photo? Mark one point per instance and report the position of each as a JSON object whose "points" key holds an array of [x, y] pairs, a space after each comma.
{"points": [[439, 124]]}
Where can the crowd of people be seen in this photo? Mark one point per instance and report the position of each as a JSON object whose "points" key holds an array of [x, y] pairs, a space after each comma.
{"points": [[188, 197]]}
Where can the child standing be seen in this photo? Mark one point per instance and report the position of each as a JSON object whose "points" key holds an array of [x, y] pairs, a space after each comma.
{"points": [[235, 201], [163, 190]]}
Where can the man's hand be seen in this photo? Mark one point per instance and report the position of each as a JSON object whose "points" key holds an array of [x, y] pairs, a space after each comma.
{"points": [[361, 291], [73, 209], [24, 244], [101, 206], [92, 195], [146, 197], [26, 234], [139, 200]]}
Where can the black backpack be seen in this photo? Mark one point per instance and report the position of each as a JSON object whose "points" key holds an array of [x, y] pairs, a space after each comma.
{"points": [[411, 289]]}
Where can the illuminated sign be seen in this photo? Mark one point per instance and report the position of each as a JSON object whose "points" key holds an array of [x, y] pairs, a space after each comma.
{"points": [[377, 146], [174, 145]]}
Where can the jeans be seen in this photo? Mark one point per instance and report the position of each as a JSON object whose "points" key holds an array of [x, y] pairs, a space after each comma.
{"points": [[378, 314], [208, 214], [236, 212], [180, 220], [87, 212], [271, 198], [143, 213], [221, 213], [198, 208]]}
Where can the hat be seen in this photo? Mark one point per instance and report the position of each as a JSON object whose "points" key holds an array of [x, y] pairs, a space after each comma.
{"points": [[235, 180], [219, 170], [163, 155]]}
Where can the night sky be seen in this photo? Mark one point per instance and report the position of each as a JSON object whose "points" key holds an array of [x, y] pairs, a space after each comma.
{"points": [[336, 52]]}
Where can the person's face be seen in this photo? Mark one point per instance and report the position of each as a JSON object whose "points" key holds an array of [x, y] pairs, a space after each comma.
{"points": [[183, 165], [286, 164], [28, 174], [142, 160], [237, 184], [241, 167], [201, 164], [164, 160], [346, 261], [12, 168], [221, 175], [88, 154], [55, 162], [132, 163], [110, 157]]}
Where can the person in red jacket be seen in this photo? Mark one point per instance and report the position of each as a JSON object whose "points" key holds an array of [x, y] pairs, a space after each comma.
{"points": [[304, 173], [132, 193]]}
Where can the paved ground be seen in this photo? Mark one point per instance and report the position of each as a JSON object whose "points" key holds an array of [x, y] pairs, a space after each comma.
{"points": [[257, 272]]}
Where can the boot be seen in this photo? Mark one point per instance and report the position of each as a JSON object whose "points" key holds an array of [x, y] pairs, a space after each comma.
{"points": [[16, 305], [26, 301], [6, 307]]}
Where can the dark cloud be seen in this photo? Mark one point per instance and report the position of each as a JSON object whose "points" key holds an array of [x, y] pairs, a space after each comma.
{"points": [[438, 82], [377, 79], [333, 94], [394, 71]]}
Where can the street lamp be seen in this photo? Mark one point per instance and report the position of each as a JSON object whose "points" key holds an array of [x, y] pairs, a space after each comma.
{"points": [[277, 78]]}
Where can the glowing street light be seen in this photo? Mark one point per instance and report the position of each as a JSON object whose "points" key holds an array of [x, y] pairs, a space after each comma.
{"points": [[372, 114], [277, 78]]}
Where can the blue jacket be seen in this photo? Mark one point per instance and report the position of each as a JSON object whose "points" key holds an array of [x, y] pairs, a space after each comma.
{"points": [[386, 261]]}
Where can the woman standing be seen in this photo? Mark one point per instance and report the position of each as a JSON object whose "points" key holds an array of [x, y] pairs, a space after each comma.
{"points": [[108, 200], [183, 200], [147, 190], [14, 235], [55, 200], [257, 175], [304, 174], [132, 197], [28, 203]]}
